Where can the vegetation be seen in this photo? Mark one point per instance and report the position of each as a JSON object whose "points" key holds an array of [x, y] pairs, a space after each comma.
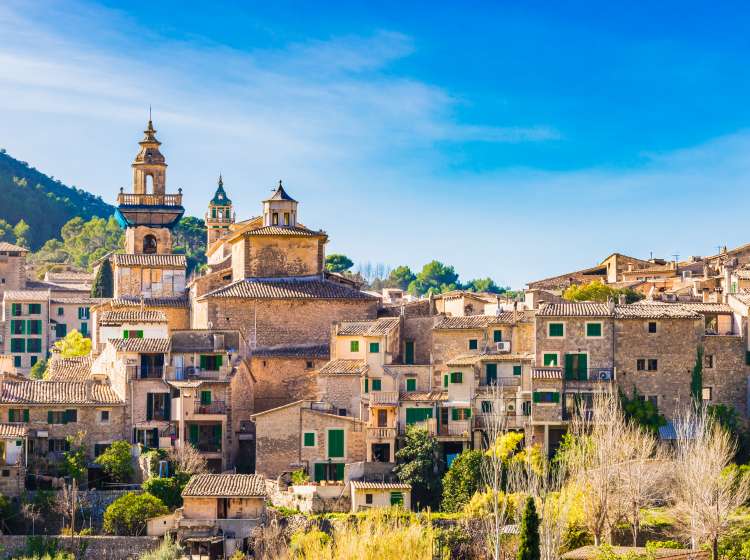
{"points": [[81, 243], [73, 345], [76, 457], [400, 277], [127, 515], [189, 238], [38, 370], [168, 550], [528, 547], [416, 466], [696, 377], [300, 477], [641, 411], [434, 277], [168, 490], [338, 263], [462, 480], [104, 283], [598, 291], [117, 462]]}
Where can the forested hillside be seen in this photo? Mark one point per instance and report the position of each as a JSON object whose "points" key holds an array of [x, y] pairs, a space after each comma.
{"points": [[43, 202]]}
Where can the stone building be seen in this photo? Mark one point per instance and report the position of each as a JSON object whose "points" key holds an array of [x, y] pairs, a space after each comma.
{"points": [[12, 267]]}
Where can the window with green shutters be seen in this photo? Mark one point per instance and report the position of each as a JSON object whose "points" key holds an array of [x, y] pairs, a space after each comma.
{"points": [[397, 498], [377, 384], [486, 406], [409, 352], [34, 345], [556, 329], [84, 330], [320, 472], [205, 397], [374, 347], [545, 397], [35, 309], [83, 313], [18, 415], [550, 359], [354, 346], [497, 336], [17, 361], [57, 416], [33, 360], [34, 326], [17, 326], [335, 443], [367, 385], [194, 434], [576, 366], [309, 439], [18, 345], [445, 380], [517, 369], [457, 377], [60, 311], [132, 334], [414, 415], [473, 344], [491, 374], [61, 330], [460, 414], [216, 434], [411, 384], [594, 330], [15, 309]]}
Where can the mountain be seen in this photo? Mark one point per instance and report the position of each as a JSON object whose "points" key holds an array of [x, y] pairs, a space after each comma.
{"points": [[43, 202]]}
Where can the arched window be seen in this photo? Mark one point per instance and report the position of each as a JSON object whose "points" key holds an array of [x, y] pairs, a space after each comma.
{"points": [[149, 245], [149, 184]]}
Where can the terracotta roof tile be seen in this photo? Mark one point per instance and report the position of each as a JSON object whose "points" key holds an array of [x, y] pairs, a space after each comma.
{"points": [[471, 359], [547, 373], [161, 261], [293, 351], [287, 231], [361, 485], [302, 288], [574, 309], [26, 295], [9, 247], [225, 486], [69, 369], [378, 327], [57, 392], [141, 345], [344, 367], [79, 300], [424, 396], [654, 311], [120, 316], [131, 301], [200, 340], [481, 321], [12, 431]]}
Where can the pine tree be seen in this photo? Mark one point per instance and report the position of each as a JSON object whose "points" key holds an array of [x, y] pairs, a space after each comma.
{"points": [[103, 283], [528, 546], [696, 379]]}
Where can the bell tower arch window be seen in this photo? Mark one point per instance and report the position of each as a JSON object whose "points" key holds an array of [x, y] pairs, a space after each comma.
{"points": [[149, 245]]}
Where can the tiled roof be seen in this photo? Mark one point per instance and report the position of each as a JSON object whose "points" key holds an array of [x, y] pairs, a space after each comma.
{"points": [[169, 261], [303, 288], [68, 276], [564, 280], [293, 351], [141, 345], [80, 300], [132, 301], [5, 246], [26, 295], [120, 316], [288, 231], [361, 485], [225, 486], [69, 369], [378, 327], [547, 373], [57, 392], [742, 297], [424, 396], [700, 307], [199, 340], [471, 359], [481, 321], [12, 431], [344, 367], [742, 274], [574, 309], [654, 311]]}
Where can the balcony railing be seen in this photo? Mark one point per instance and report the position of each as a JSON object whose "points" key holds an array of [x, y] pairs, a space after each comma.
{"points": [[383, 398], [208, 446], [145, 372], [216, 407], [510, 421], [455, 428], [430, 425], [220, 219], [132, 199], [381, 433], [191, 372], [514, 381], [591, 374]]}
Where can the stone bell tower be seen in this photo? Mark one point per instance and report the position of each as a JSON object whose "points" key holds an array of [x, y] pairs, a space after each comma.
{"points": [[280, 209], [220, 215]]}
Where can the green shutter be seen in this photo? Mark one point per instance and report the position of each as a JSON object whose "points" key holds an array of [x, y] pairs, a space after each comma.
{"points": [[414, 415], [457, 377], [583, 367], [367, 385], [61, 329], [168, 407], [467, 413], [194, 434], [374, 347], [517, 370], [555, 397], [411, 384], [203, 361], [206, 397], [49, 417], [139, 334], [397, 498], [217, 433], [536, 397], [556, 329], [377, 384], [338, 473], [454, 413], [570, 366], [473, 344], [219, 361], [335, 443], [445, 380], [354, 346], [11, 415], [125, 334], [320, 472], [491, 370], [310, 439], [497, 336], [550, 359], [593, 329], [149, 406], [26, 415], [409, 351]]}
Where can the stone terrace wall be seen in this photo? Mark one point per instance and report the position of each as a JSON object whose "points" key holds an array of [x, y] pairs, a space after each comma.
{"points": [[97, 548]]}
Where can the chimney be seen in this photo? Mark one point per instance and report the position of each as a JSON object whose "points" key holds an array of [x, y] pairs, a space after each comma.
{"points": [[611, 305], [515, 312], [621, 299]]}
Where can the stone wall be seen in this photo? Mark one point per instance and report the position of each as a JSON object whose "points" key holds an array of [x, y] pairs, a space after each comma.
{"points": [[342, 391], [282, 380], [12, 273], [134, 239], [419, 331], [728, 378], [599, 350], [96, 548]]}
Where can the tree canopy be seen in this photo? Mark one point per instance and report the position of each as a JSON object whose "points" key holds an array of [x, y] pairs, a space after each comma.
{"points": [[400, 277], [116, 461], [128, 514], [338, 263], [83, 242], [73, 345], [416, 466], [434, 277], [103, 286], [462, 480], [641, 411], [598, 291]]}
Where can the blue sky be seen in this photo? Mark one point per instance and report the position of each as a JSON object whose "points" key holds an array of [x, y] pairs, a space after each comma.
{"points": [[515, 140]]}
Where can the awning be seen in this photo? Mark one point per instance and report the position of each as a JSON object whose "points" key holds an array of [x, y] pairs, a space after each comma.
{"points": [[210, 540]]}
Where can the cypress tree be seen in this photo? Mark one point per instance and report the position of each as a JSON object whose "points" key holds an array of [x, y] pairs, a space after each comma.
{"points": [[696, 379], [103, 285], [528, 546]]}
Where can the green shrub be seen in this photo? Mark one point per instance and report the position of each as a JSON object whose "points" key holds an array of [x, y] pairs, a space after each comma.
{"points": [[300, 477], [128, 514], [168, 490], [168, 550], [462, 480], [117, 461], [663, 544]]}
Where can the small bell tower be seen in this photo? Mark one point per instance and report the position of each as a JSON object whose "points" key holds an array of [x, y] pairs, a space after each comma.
{"points": [[220, 215], [280, 209]]}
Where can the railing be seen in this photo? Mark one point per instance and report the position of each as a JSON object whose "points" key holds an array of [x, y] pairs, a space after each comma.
{"points": [[191, 372], [145, 372], [208, 446], [381, 433], [383, 397], [220, 219], [132, 199], [429, 425], [237, 527], [591, 374], [216, 407], [455, 428], [503, 382], [510, 421]]}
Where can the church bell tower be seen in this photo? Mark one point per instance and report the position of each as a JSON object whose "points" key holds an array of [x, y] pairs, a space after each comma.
{"points": [[220, 215]]}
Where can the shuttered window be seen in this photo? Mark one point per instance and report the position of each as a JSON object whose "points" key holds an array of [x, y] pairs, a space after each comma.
{"points": [[556, 329], [550, 359], [457, 377], [194, 434], [354, 346], [205, 397], [497, 336], [35, 308], [594, 330], [491, 373], [376, 384], [374, 347], [34, 345], [411, 384], [15, 309], [335, 443], [473, 344], [397, 498], [517, 370], [414, 415], [309, 439], [546, 397]]}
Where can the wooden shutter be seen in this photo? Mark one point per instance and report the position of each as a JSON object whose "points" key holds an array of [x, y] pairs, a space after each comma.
{"points": [[206, 397], [497, 336], [217, 433], [26, 415], [411, 384], [367, 385], [409, 351], [149, 406], [167, 406], [583, 367], [11, 415], [445, 380], [320, 472], [219, 361], [377, 384], [397, 498], [555, 397], [536, 397], [336, 443], [338, 473], [203, 361], [570, 366], [491, 370], [309, 439], [194, 434], [454, 414], [517, 370], [49, 417], [71, 415]]}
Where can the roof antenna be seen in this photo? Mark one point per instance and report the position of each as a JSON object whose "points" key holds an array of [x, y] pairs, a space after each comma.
{"points": [[149, 112]]}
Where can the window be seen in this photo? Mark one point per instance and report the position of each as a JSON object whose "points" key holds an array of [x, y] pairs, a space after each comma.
{"points": [[497, 336], [34, 326], [58, 445], [35, 308], [517, 369], [275, 219], [100, 448], [308, 439], [84, 330], [397, 498], [473, 344], [368, 499], [409, 352], [104, 416], [367, 385], [354, 346], [34, 345], [286, 218], [132, 334], [652, 364], [640, 364], [551, 359], [335, 443], [576, 366], [17, 326], [374, 347], [149, 246], [18, 415], [15, 309], [309, 364], [707, 393], [18, 345], [445, 380], [546, 397], [457, 377], [486, 406], [61, 330], [60, 311], [158, 406], [458, 414], [211, 362], [17, 361], [593, 330], [652, 326], [709, 360], [414, 415], [556, 330], [83, 313], [62, 416], [377, 384], [411, 384], [205, 397], [33, 360]]}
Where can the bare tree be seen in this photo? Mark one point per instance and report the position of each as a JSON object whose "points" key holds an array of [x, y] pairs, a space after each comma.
{"points": [[705, 493], [186, 458]]}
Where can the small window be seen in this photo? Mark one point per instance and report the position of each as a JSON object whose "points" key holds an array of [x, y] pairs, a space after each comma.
{"points": [[377, 384], [457, 377], [709, 360], [397, 498], [354, 346], [309, 439], [593, 330], [707, 393], [367, 385], [35, 308], [132, 334], [60, 311], [286, 218], [18, 345], [556, 330], [546, 397], [411, 384], [652, 326], [17, 361], [205, 397], [34, 345], [309, 364], [459, 414], [497, 336], [517, 370], [486, 406], [473, 344], [33, 360], [550, 360], [653, 365], [445, 380], [56, 417], [368, 499], [275, 219], [374, 347], [640, 364], [15, 309], [104, 416]]}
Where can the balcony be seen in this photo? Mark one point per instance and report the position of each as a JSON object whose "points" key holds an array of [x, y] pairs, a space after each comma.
{"points": [[381, 433], [196, 373], [602, 375], [384, 398], [216, 407], [219, 219], [132, 199], [145, 372], [514, 381], [236, 528], [207, 446], [430, 425], [458, 428], [512, 421]]}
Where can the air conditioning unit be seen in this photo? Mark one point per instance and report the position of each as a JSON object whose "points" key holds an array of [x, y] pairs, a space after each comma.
{"points": [[604, 375], [502, 346], [511, 407]]}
